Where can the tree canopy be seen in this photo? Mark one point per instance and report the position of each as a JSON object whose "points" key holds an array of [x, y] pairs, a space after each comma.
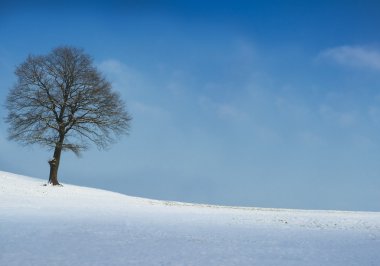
{"points": [[61, 101]]}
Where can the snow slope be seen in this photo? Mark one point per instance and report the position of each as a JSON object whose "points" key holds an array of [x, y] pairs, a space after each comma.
{"points": [[70, 225]]}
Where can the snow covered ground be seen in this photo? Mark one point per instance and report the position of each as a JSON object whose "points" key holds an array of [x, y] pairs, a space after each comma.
{"points": [[71, 225]]}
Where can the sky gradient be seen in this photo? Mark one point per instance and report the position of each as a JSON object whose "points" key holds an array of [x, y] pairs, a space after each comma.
{"points": [[253, 103]]}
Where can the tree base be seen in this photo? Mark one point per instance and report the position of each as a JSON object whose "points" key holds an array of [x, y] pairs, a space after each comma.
{"points": [[50, 184]]}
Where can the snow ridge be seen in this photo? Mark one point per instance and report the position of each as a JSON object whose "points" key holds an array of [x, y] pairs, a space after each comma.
{"points": [[71, 225]]}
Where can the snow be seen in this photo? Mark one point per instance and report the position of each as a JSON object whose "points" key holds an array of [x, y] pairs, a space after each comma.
{"points": [[71, 225]]}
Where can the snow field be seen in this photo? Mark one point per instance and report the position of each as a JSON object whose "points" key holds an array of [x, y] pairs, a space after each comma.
{"points": [[70, 225]]}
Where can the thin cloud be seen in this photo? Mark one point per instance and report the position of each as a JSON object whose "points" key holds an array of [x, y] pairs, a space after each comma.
{"points": [[155, 112], [353, 56], [123, 77], [228, 111], [225, 111], [344, 119]]}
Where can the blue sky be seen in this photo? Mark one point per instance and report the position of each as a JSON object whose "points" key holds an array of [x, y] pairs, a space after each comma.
{"points": [[254, 103]]}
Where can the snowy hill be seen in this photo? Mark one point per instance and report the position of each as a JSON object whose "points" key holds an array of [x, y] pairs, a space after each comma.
{"points": [[70, 225]]}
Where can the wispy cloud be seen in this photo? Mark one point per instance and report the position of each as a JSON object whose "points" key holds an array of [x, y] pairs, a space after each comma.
{"points": [[226, 111], [344, 119], [353, 56], [155, 112], [123, 77]]}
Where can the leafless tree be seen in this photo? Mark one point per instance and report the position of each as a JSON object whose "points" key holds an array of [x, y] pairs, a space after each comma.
{"points": [[61, 101]]}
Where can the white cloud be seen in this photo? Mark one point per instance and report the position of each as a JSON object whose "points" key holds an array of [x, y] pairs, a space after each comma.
{"points": [[123, 77], [353, 56], [347, 119], [223, 110], [310, 138], [228, 111], [112, 65], [374, 114], [155, 112], [344, 119], [245, 50], [293, 108]]}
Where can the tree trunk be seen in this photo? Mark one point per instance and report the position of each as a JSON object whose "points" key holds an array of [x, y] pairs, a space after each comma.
{"points": [[54, 165]]}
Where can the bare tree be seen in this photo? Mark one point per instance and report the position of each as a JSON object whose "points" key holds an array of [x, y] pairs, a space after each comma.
{"points": [[61, 101]]}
